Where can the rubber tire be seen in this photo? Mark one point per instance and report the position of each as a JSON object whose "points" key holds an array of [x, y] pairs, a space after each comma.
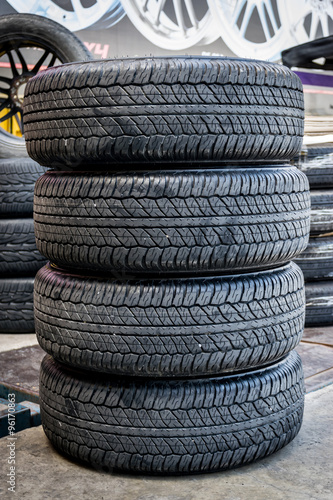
{"points": [[176, 221], [171, 427], [169, 328], [16, 305], [319, 151], [37, 29], [163, 110], [18, 252], [17, 182], [319, 303], [319, 171], [316, 261], [321, 212]]}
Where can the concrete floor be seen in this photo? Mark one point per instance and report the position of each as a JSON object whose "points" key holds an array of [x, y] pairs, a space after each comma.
{"points": [[301, 471], [16, 341]]}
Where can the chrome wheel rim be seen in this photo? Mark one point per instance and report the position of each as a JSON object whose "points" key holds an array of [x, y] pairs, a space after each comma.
{"points": [[74, 14], [172, 24]]}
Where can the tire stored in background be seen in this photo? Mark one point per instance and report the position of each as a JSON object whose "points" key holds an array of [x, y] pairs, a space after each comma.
{"points": [[18, 31], [316, 261], [319, 303], [17, 181], [16, 305], [321, 212], [319, 171], [18, 252]]}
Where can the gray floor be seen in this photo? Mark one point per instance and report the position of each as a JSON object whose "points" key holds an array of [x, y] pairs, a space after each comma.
{"points": [[301, 471], [16, 341]]}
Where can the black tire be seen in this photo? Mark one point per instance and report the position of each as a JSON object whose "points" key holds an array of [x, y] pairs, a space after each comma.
{"points": [[16, 305], [319, 303], [17, 182], [12, 146], [169, 328], [319, 171], [18, 252], [184, 221], [179, 109], [316, 261], [321, 212], [41, 32], [172, 427], [319, 151]]}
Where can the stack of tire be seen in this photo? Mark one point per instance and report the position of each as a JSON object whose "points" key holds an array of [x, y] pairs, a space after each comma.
{"points": [[170, 310], [19, 257], [316, 261]]}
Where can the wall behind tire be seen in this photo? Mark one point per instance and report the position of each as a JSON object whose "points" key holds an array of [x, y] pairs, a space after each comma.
{"points": [[120, 40], [109, 32], [112, 27]]}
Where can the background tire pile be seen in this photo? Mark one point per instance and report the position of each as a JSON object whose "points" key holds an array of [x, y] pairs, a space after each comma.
{"points": [[19, 257], [170, 309], [316, 261]]}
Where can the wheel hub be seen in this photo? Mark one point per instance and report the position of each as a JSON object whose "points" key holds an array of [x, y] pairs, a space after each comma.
{"points": [[321, 6], [15, 91]]}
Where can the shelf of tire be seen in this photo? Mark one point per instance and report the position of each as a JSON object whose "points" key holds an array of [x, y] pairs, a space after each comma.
{"points": [[316, 261], [170, 309], [19, 257]]}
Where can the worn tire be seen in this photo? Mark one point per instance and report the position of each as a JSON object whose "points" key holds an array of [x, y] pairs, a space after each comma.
{"points": [[319, 171], [18, 252], [16, 305], [45, 33], [316, 261], [319, 151], [179, 327], [319, 303], [163, 110], [321, 212], [17, 182], [177, 221], [171, 427]]}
